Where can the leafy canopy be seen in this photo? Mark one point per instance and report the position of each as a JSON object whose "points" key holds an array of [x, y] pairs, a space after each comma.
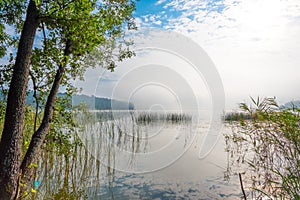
{"points": [[86, 25], [93, 32]]}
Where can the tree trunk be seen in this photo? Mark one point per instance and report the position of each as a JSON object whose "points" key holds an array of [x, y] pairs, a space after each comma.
{"points": [[11, 141], [39, 136]]}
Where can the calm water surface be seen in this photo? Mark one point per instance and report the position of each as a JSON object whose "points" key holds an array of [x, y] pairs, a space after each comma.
{"points": [[122, 158]]}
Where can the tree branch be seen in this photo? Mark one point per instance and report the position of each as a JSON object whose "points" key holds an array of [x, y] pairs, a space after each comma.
{"points": [[36, 99], [44, 34], [39, 136]]}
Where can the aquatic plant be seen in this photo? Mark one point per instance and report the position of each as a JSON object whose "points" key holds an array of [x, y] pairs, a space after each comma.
{"points": [[148, 117], [269, 146], [236, 116]]}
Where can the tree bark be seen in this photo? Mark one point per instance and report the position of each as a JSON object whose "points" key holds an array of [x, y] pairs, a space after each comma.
{"points": [[39, 136], [11, 141]]}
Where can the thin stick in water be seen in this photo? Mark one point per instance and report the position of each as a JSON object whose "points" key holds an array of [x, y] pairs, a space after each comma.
{"points": [[242, 187]]}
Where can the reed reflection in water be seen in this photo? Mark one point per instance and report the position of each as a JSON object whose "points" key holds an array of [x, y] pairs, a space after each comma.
{"points": [[117, 145]]}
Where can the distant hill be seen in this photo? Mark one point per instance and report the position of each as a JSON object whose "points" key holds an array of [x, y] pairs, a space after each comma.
{"points": [[291, 104], [92, 102], [98, 103]]}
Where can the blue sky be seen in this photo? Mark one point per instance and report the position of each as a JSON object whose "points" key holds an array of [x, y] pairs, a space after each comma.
{"points": [[167, 9], [254, 44], [154, 12]]}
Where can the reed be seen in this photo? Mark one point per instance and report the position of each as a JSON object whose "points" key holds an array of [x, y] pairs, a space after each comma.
{"points": [[236, 116], [146, 117], [266, 148]]}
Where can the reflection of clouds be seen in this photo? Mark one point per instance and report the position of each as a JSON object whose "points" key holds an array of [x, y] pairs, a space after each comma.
{"points": [[152, 186], [198, 179]]}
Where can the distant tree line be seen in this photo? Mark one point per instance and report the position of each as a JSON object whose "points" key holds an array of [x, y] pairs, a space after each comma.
{"points": [[98, 103]]}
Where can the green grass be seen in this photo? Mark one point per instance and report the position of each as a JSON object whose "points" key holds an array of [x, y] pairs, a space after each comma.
{"points": [[269, 146]]}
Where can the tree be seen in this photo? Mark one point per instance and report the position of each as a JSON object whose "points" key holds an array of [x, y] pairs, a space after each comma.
{"points": [[55, 38]]}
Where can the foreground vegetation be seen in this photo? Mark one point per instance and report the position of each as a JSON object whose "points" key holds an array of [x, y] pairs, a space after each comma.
{"points": [[67, 169], [61, 139], [266, 149], [51, 45]]}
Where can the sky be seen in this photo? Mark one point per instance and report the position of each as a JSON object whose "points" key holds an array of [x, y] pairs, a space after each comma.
{"points": [[254, 45]]}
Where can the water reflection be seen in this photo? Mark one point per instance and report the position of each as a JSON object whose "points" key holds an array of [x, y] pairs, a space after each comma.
{"points": [[112, 142]]}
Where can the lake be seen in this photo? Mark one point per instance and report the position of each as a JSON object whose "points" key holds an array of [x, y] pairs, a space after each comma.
{"points": [[140, 155]]}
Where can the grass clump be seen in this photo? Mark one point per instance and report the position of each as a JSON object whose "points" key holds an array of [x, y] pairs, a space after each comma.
{"points": [[167, 117], [270, 142], [236, 116]]}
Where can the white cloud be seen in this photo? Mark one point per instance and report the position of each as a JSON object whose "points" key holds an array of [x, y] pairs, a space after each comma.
{"points": [[138, 22], [158, 22], [160, 2], [254, 43], [150, 20]]}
